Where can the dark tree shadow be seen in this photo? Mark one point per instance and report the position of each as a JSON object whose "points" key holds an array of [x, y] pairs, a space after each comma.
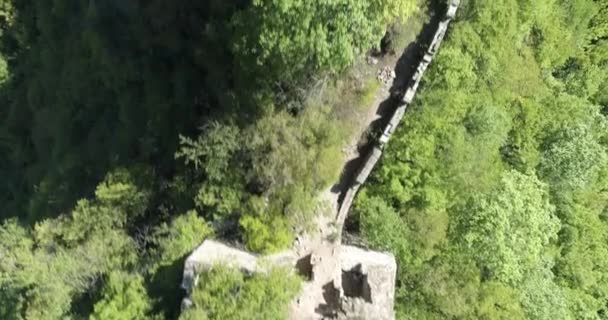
{"points": [[164, 288], [331, 295]]}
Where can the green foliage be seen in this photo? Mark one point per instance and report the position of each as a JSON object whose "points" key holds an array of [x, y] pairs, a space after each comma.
{"points": [[266, 233], [45, 269], [225, 293], [213, 155], [124, 298], [492, 194], [508, 229], [48, 278], [15, 249], [288, 40], [88, 87], [295, 158], [368, 93], [118, 89], [183, 235], [122, 87], [498, 301], [212, 151], [574, 158], [517, 94], [390, 228], [267, 175], [7, 13], [172, 243], [543, 298], [117, 202], [597, 44]]}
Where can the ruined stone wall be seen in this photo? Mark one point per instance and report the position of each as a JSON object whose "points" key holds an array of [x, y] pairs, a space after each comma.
{"points": [[406, 99]]}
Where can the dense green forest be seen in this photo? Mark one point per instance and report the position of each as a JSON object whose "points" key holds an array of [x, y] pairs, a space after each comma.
{"points": [[130, 131], [494, 193]]}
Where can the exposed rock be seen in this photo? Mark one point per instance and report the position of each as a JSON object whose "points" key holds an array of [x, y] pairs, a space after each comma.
{"points": [[368, 282], [212, 253], [353, 279], [386, 75]]}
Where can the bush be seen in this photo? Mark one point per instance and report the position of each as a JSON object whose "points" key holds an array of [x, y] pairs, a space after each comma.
{"points": [[225, 293]]}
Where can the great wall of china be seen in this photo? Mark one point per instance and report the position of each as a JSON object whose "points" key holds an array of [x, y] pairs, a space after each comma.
{"points": [[343, 282]]}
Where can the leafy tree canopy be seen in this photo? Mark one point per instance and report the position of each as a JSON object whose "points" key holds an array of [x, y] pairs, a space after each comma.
{"points": [[225, 293]]}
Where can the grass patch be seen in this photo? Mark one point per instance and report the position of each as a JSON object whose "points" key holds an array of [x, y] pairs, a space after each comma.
{"points": [[405, 31], [366, 96]]}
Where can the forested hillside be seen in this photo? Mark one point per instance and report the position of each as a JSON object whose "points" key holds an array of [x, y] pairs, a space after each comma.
{"points": [[130, 131], [493, 194]]}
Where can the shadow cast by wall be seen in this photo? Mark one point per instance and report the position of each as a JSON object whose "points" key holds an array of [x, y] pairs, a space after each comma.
{"points": [[404, 71]]}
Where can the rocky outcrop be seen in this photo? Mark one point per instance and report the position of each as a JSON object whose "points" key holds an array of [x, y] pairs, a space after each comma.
{"points": [[368, 284]]}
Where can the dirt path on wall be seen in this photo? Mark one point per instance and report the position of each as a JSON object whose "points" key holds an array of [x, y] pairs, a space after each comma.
{"points": [[386, 100], [316, 299]]}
